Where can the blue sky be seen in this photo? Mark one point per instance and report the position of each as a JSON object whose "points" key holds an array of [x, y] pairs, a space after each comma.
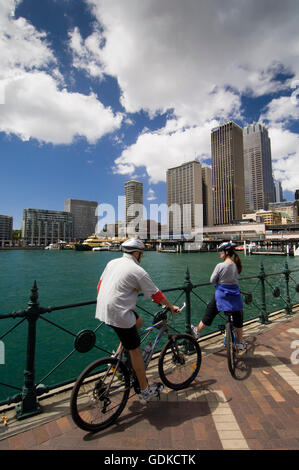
{"points": [[95, 92]]}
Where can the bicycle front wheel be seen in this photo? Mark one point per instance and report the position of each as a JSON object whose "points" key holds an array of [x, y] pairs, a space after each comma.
{"points": [[100, 394], [179, 361], [230, 349]]}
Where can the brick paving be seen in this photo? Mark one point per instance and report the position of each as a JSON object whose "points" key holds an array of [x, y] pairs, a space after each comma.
{"points": [[259, 411]]}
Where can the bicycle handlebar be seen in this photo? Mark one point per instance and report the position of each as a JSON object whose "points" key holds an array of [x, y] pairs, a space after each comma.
{"points": [[162, 315]]}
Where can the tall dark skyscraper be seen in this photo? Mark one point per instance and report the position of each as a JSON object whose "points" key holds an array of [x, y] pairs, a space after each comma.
{"points": [[259, 185], [228, 173]]}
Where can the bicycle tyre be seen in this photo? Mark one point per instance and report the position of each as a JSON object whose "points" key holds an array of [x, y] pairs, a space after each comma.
{"points": [[95, 399], [230, 349], [175, 357]]}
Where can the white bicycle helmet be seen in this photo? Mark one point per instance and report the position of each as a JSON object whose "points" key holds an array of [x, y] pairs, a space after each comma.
{"points": [[133, 244], [227, 246]]}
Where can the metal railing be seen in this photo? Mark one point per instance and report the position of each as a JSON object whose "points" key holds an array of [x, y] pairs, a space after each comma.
{"points": [[256, 294]]}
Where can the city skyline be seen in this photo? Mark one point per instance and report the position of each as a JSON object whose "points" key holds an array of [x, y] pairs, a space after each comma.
{"points": [[88, 102]]}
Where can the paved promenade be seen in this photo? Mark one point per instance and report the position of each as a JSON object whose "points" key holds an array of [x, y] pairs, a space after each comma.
{"points": [[259, 411]]}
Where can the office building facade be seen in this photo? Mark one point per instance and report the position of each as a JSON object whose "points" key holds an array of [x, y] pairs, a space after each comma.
{"points": [[227, 173], [207, 195], [185, 198], [278, 194], [133, 202], [42, 227], [259, 185], [84, 216], [6, 224]]}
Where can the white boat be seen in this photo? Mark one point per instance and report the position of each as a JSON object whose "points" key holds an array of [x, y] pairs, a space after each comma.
{"points": [[101, 248], [296, 252]]}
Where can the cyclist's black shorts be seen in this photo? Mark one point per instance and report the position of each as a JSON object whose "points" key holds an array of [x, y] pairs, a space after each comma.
{"points": [[212, 311], [128, 336]]}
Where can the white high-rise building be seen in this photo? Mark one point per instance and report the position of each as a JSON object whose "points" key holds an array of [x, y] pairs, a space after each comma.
{"points": [[134, 205]]}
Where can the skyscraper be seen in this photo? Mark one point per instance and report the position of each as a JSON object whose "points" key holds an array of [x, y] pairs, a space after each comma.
{"points": [[228, 173], [207, 195], [184, 192], [134, 201], [259, 186], [84, 217], [278, 194]]}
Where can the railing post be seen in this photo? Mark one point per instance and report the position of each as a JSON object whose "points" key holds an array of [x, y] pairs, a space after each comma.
{"points": [[288, 308], [188, 289], [29, 405], [264, 316]]}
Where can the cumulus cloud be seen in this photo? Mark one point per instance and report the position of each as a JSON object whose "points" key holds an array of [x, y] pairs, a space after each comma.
{"points": [[34, 100], [163, 149], [36, 108], [175, 55], [285, 157], [196, 59]]}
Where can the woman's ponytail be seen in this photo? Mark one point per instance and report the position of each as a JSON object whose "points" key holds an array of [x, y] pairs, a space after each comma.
{"points": [[237, 262]]}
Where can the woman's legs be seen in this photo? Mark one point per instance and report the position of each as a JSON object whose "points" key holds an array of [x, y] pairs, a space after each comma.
{"points": [[210, 314]]}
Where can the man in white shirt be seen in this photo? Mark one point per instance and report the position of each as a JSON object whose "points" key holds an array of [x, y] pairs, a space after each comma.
{"points": [[117, 296]]}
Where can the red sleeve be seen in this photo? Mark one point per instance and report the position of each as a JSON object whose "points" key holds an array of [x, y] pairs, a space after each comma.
{"points": [[98, 287], [158, 296]]}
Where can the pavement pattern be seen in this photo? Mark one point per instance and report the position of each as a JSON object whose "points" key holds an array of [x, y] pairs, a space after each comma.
{"points": [[217, 412]]}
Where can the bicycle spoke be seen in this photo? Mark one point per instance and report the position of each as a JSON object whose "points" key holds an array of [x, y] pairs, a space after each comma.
{"points": [[100, 395], [179, 362]]}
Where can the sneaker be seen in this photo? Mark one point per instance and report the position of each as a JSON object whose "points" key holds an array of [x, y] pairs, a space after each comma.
{"points": [[241, 346], [194, 331], [150, 392]]}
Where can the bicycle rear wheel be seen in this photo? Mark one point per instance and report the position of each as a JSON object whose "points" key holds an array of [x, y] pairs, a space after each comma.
{"points": [[179, 361], [230, 348], [100, 394]]}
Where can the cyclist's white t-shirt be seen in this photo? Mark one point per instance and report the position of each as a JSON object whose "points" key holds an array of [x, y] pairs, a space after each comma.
{"points": [[120, 282]]}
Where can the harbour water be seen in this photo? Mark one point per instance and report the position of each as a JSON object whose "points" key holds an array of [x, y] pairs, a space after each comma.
{"points": [[66, 277]]}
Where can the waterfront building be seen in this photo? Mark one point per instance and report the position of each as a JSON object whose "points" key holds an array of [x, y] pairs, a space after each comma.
{"points": [[42, 227], [185, 197], [291, 208], [207, 195], [6, 223], [84, 217], [228, 173], [134, 204], [278, 191], [269, 217], [259, 186], [237, 232]]}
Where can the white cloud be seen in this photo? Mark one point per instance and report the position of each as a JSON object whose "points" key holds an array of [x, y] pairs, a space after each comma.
{"points": [[285, 157], [166, 148], [151, 195], [174, 54], [35, 103], [86, 54], [196, 59]]}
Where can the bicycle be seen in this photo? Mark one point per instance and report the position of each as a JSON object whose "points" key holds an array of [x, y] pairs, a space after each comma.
{"points": [[230, 343], [102, 390]]}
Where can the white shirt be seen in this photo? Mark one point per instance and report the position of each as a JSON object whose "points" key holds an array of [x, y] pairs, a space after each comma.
{"points": [[120, 282]]}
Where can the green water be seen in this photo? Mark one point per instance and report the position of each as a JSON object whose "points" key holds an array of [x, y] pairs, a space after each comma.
{"points": [[66, 277]]}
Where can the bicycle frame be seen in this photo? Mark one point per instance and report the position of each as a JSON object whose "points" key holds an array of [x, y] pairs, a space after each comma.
{"points": [[163, 327]]}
